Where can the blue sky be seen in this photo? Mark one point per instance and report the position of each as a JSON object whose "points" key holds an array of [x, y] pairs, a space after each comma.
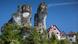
{"points": [[63, 13]]}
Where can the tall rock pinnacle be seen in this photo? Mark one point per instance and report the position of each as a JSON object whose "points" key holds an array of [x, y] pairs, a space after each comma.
{"points": [[40, 17], [23, 16], [26, 15]]}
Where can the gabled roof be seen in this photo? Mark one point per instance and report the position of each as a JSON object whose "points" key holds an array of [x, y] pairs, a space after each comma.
{"points": [[52, 27], [62, 34], [71, 33]]}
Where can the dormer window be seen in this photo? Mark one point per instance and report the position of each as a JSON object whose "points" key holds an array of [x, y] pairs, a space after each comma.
{"points": [[50, 27], [54, 29], [70, 39], [57, 32], [72, 36]]}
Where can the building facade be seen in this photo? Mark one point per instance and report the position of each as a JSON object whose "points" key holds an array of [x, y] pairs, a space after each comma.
{"points": [[54, 30], [71, 37]]}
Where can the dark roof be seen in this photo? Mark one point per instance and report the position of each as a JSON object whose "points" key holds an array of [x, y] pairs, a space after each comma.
{"points": [[55, 26], [71, 33]]}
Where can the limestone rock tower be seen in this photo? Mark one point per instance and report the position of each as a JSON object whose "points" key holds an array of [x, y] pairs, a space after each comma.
{"points": [[40, 17], [26, 20], [22, 16], [26, 15], [16, 18]]}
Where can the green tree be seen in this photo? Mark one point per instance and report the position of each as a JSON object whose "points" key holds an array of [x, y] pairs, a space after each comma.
{"points": [[44, 37], [11, 34], [65, 41], [33, 38], [36, 37], [77, 38], [53, 39]]}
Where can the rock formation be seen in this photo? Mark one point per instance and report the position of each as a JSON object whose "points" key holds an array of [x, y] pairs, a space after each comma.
{"points": [[40, 17]]}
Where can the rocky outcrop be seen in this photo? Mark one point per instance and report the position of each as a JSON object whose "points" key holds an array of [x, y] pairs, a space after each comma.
{"points": [[40, 17]]}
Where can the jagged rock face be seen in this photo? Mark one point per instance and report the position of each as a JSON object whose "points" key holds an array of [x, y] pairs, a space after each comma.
{"points": [[23, 16], [25, 32], [40, 17], [17, 18], [26, 15]]}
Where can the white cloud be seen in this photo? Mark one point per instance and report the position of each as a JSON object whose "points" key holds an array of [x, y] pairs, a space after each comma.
{"points": [[59, 4]]}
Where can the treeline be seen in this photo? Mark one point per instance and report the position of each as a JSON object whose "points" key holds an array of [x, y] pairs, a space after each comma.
{"points": [[11, 34]]}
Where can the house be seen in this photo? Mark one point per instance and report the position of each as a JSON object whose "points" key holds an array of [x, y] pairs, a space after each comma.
{"points": [[63, 36], [71, 37], [55, 30]]}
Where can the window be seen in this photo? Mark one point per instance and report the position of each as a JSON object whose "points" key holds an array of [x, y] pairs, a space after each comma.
{"points": [[57, 32], [70, 39], [54, 29]]}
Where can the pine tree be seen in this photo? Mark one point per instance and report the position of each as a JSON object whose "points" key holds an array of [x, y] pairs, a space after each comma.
{"points": [[53, 39], [36, 37], [65, 41], [11, 34], [33, 38], [44, 37], [77, 38]]}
